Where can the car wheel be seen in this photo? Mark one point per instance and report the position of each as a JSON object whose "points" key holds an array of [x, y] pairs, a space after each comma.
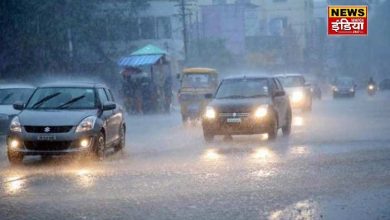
{"points": [[122, 142], [100, 146], [208, 137], [15, 158], [273, 129], [286, 129]]}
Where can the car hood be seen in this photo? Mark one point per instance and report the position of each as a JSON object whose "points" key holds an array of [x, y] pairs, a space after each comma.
{"points": [[238, 105], [54, 117], [8, 110]]}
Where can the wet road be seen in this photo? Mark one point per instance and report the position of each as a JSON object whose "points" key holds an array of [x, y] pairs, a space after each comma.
{"points": [[335, 165]]}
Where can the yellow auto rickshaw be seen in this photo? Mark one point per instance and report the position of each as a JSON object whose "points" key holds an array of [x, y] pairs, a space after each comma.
{"points": [[197, 85]]}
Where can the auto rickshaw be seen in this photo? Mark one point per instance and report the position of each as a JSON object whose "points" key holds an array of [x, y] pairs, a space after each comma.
{"points": [[197, 85]]}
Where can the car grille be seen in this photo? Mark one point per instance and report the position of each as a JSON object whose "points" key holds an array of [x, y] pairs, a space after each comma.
{"points": [[225, 114], [48, 129], [47, 145]]}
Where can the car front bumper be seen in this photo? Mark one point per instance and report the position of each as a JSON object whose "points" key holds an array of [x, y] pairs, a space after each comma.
{"points": [[248, 125], [50, 144]]}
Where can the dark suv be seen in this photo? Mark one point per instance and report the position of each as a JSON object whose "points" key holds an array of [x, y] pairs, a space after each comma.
{"points": [[66, 118], [248, 105]]}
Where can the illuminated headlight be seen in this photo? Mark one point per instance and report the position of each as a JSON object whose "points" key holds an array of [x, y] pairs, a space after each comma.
{"points": [[335, 89], [297, 96], [371, 87], [86, 124], [351, 89], [85, 142], [15, 125], [261, 111], [210, 113], [14, 143]]}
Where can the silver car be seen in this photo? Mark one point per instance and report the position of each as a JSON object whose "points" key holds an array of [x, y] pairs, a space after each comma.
{"points": [[9, 94]]}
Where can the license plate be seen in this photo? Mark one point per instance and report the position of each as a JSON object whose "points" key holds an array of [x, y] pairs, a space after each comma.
{"points": [[233, 120], [193, 107], [46, 138]]}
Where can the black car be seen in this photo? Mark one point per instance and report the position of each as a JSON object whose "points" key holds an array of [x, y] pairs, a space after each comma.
{"points": [[66, 118], [344, 87], [9, 94], [248, 105]]}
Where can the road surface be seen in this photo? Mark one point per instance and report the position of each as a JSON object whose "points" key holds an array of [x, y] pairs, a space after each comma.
{"points": [[335, 165]]}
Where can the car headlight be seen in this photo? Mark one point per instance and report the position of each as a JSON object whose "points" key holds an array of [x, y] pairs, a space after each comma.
{"points": [[351, 89], [371, 87], [335, 89], [86, 124], [15, 125], [210, 113], [297, 96], [261, 111]]}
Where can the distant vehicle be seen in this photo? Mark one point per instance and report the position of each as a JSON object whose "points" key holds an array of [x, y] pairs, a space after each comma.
{"points": [[315, 90], [344, 87], [248, 105], [9, 94], [371, 89], [298, 90], [66, 118], [384, 84], [195, 83]]}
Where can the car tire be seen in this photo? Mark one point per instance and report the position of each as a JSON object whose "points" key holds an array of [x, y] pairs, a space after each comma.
{"points": [[122, 142], [99, 147], [208, 136], [273, 129], [15, 158], [286, 129]]}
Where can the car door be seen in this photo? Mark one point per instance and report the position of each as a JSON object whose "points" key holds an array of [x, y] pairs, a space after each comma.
{"points": [[278, 101], [107, 116], [117, 116], [285, 105]]}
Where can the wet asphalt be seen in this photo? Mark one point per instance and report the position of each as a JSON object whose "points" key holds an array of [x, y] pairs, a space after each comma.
{"points": [[335, 165]]}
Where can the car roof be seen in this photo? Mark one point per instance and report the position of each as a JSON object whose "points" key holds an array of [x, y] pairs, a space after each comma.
{"points": [[289, 75], [16, 86], [74, 84], [250, 76], [199, 70]]}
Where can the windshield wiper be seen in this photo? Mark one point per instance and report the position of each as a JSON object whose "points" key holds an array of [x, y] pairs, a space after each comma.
{"points": [[255, 96], [232, 97], [45, 99], [7, 97], [70, 102]]}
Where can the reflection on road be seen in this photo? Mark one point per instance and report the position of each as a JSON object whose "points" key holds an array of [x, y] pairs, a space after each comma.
{"points": [[212, 155], [84, 177], [263, 154], [299, 151], [14, 184], [306, 209]]}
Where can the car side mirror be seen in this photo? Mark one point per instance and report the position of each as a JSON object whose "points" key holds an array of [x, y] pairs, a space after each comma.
{"points": [[279, 93], [109, 106], [18, 106], [208, 96]]}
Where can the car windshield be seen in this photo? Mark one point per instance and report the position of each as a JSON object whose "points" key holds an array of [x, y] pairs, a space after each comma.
{"points": [[292, 81], [63, 98], [196, 80], [242, 88], [10, 96], [345, 83]]}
